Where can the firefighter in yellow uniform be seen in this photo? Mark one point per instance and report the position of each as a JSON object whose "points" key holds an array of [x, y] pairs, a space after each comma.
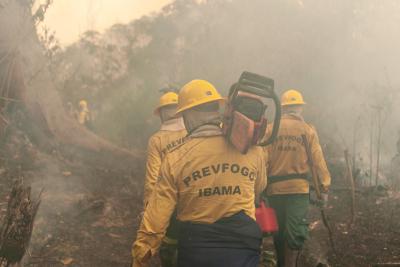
{"points": [[288, 177], [213, 187], [84, 117], [171, 135]]}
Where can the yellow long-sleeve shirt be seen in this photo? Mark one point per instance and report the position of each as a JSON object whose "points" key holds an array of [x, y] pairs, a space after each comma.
{"points": [[84, 116], [169, 137], [288, 167], [205, 179]]}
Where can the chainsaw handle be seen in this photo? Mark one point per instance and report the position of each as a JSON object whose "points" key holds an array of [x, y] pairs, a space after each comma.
{"points": [[277, 121]]}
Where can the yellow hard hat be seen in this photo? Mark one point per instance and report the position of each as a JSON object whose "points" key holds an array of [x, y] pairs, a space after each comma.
{"points": [[195, 93], [292, 97], [166, 99], [83, 103]]}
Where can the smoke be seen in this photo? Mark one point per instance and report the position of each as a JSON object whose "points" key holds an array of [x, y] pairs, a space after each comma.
{"points": [[341, 54]]}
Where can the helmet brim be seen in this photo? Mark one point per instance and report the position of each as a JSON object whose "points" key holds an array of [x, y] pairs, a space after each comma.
{"points": [[294, 104], [156, 112], [220, 100]]}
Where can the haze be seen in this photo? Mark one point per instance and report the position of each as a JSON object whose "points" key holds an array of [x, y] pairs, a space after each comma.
{"points": [[70, 18]]}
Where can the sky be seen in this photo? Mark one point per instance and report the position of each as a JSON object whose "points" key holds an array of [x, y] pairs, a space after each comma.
{"points": [[70, 18]]}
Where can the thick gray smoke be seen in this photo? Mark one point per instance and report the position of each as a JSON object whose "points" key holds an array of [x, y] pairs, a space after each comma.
{"points": [[341, 54]]}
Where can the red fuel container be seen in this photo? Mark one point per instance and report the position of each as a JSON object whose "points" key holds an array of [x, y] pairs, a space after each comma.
{"points": [[266, 219]]}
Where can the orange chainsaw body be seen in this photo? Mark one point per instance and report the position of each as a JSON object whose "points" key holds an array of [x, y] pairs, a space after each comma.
{"points": [[242, 131]]}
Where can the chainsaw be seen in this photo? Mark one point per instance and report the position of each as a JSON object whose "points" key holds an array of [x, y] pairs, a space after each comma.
{"points": [[245, 122]]}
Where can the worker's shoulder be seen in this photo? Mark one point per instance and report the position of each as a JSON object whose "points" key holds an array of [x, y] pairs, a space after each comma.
{"points": [[154, 138], [156, 135], [180, 149], [294, 123], [310, 128], [162, 135], [194, 146], [170, 143]]}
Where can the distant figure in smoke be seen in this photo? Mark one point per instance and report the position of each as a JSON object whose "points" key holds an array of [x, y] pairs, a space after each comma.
{"points": [[84, 117], [395, 168]]}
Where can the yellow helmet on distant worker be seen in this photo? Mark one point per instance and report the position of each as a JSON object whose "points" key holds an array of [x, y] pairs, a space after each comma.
{"points": [[167, 99], [292, 97], [195, 93], [83, 103]]}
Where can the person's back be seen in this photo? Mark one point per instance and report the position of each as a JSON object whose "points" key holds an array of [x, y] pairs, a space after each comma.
{"points": [[171, 135], [209, 169], [288, 167], [288, 173], [159, 145], [212, 186]]}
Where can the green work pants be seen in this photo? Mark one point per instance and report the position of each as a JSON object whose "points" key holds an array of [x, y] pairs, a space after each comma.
{"points": [[291, 212]]}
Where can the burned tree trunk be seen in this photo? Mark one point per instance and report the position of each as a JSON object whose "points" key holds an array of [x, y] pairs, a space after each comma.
{"points": [[27, 88], [17, 225]]}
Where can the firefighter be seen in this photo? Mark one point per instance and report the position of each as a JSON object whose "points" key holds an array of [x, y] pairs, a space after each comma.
{"points": [[171, 135], [213, 187], [288, 177], [84, 117]]}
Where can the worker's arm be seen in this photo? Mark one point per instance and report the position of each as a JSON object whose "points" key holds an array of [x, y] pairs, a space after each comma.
{"points": [[261, 180], [319, 161], [156, 218], [152, 167]]}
